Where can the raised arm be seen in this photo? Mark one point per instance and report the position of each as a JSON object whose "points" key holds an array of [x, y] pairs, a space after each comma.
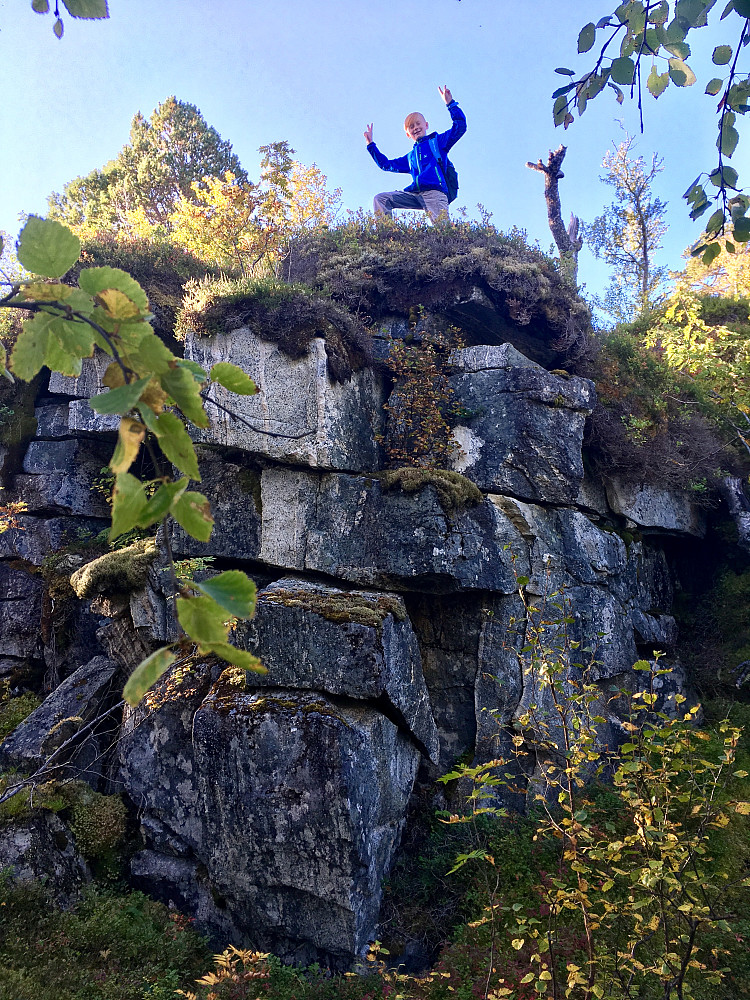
{"points": [[368, 134], [457, 129]]}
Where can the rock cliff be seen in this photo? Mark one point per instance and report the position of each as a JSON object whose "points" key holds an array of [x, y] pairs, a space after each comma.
{"points": [[271, 807]]}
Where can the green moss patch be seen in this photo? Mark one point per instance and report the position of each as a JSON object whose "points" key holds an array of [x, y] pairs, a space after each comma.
{"points": [[117, 572], [341, 608], [454, 491]]}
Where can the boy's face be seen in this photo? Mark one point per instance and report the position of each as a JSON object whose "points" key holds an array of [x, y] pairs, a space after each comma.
{"points": [[416, 126]]}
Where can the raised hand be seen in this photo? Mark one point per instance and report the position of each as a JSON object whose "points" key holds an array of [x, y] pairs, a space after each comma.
{"points": [[445, 94], [368, 134]]}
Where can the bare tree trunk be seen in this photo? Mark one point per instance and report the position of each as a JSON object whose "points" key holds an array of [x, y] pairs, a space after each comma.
{"points": [[567, 240]]}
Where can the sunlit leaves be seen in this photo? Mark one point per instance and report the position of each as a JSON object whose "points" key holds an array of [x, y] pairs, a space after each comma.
{"points": [[47, 248], [233, 378], [657, 82], [146, 674], [47, 339], [180, 384], [680, 73], [129, 504], [193, 512], [233, 591], [119, 400], [101, 280], [175, 442]]}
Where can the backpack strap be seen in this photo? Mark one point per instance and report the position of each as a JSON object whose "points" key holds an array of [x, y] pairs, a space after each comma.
{"points": [[435, 147]]}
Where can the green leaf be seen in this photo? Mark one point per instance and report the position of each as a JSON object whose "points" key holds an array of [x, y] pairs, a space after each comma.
{"points": [[231, 654], [742, 229], [660, 14], [657, 82], [162, 501], [128, 504], [563, 90], [680, 50], [233, 590], [618, 93], [175, 442], [742, 7], [564, 72], [710, 254], [728, 140], [586, 37], [43, 341], [180, 384], [233, 378], [89, 10], [559, 110], [58, 27], [96, 280], [151, 354], [193, 512], [202, 618], [146, 674], [47, 247], [119, 400], [40, 6], [680, 73], [623, 71], [714, 86], [722, 55]]}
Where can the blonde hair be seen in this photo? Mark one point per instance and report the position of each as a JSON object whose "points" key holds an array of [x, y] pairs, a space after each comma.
{"points": [[410, 118]]}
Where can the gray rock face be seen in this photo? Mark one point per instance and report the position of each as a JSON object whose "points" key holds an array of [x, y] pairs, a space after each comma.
{"points": [[299, 415], [293, 802], [64, 477], [40, 846], [36, 537], [20, 612], [649, 507], [233, 491], [75, 702], [350, 528], [87, 384], [357, 644], [524, 427]]}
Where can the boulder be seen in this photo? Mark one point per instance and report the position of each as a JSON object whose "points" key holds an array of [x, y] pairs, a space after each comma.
{"points": [[658, 509], [292, 802], [299, 415], [351, 528], [356, 644], [39, 845], [303, 802], [521, 426], [79, 699]]}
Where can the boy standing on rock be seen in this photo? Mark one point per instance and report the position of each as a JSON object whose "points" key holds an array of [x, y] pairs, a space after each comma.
{"points": [[429, 189]]}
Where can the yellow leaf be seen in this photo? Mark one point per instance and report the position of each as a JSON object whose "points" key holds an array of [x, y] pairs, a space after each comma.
{"points": [[129, 441], [743, 808], [117, 304], [114, 376]]}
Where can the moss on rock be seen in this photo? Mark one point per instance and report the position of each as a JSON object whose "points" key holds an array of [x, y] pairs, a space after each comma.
{"points": [[454, 491], [340, 607], [117, 572]]}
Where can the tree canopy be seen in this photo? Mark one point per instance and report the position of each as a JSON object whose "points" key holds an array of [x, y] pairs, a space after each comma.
{"points": [[166, 154]]}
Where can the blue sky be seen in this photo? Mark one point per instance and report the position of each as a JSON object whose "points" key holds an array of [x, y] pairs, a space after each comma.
{"points": [[315, 72]]}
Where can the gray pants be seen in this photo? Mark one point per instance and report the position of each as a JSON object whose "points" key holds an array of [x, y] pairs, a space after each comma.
{"points": [[432, 202]]}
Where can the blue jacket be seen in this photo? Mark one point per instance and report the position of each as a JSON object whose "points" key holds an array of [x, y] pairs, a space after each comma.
{"points": [[421, 164]]}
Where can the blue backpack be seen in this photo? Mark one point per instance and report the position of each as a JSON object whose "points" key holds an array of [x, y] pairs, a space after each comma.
{"points": [[450, 175]]}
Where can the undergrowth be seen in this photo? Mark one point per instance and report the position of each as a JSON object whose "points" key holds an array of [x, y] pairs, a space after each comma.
{"points": [[110, 946]]}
